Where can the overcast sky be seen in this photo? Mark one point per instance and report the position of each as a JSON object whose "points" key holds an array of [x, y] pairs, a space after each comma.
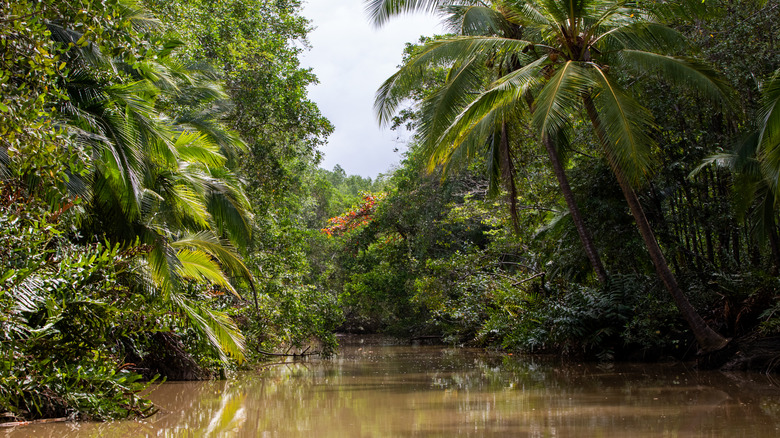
{"points": [[351, 58]]}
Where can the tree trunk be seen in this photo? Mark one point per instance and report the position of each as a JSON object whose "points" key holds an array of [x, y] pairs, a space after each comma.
{"points": [[507, 166], [579, 223], [585, 237], [706, 337]]}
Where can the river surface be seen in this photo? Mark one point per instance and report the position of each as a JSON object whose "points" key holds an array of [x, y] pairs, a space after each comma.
{"points": [[376, 389]]}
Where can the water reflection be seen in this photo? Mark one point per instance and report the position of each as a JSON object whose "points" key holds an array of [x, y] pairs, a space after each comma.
{"points": [[415, 391]]}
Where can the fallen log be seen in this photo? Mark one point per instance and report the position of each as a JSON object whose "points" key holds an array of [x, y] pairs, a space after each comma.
{"points": [[31, 422]]}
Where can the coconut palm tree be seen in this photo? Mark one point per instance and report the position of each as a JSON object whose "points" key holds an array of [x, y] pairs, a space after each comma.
{"points": [[494, 138], [160, 174], [559, 56]]}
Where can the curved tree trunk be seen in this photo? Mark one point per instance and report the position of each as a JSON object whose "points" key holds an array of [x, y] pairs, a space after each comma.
{"points": [[707, 338], [579, 223], [585, 237]]}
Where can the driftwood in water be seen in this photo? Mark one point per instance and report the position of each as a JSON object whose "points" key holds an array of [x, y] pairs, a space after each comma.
{"points": [[426, 337], [288, 354], [750, 353], [28, 423]]}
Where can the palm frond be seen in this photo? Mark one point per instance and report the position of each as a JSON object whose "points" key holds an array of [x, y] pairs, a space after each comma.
{"points": [[630, 34], [199, 266], [769, 131], [217, 327], [627, 125], [474, 20], [444, 104], [527, 14], [476, 123], [189, 205], [196, 147], [559, 97], [396, 89], [686, 73], [221, 250], [380, 11]]}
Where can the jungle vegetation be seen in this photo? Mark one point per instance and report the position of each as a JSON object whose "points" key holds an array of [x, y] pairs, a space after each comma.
{"points": [[590, 178]]}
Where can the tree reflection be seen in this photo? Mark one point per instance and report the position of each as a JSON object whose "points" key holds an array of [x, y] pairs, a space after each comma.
{"points": [[391, 391]]}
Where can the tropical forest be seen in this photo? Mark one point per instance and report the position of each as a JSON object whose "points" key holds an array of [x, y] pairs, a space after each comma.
{"points": [[589, 183]]}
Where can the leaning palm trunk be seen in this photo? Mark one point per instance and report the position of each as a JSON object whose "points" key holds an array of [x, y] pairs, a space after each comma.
{"points": [[707, 338], [585, 237]]}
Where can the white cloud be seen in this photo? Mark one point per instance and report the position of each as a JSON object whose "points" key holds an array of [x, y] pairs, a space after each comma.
{"points": [[351, 58]]}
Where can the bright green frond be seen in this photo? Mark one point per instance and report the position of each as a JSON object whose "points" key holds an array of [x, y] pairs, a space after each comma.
{"points": [[221, 250], [468, 132], [199, 266], [380, 11], [465, 140], [444, 104], [163, 264], [217, 327], [189, 204], [195, 147]]}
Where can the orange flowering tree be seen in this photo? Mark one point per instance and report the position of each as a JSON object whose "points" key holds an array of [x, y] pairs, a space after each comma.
{"points": [[360, 214]]}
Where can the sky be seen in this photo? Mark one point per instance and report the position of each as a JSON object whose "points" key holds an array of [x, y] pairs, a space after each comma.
{"points": [[351, 59]]}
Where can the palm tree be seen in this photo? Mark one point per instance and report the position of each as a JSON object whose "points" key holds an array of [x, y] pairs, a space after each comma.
{"points": [[160, 175], [560, 56], [443, 106]]}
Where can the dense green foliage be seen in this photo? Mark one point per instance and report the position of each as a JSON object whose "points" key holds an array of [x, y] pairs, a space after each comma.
{"points": [[414, 270], [168, 163], [162, 212]]}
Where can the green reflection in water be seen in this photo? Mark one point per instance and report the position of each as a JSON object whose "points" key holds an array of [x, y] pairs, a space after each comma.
{"points": [[407, 391]]}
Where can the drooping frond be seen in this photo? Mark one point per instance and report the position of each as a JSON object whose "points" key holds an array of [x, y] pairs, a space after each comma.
{"points": [[397, 88], [163, 265], [472, 127], [229, 206], [196, 147], [686, 73], [199, 266], [444, 104], [627, 125], [207, 122], [638, 35], [221, 250], [380, 11], [769, 131], [189, 205], [559, 97], [527, 14], [217, 327], [475, 20]]}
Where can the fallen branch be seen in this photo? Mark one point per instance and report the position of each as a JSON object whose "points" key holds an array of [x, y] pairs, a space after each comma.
{"points": [[27, 423], [420, 338], [301, 354]]}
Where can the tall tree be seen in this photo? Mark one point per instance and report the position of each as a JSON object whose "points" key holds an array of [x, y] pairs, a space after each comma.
{"points": [[567, 55], [494, 137]]}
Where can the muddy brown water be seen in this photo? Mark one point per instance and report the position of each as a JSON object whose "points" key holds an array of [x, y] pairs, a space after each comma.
{"points": [[375, 388]]}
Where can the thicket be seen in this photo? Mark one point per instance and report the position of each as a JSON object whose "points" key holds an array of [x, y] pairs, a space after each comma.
{"points": [[444, 256], [163, 216], [158, 163]]}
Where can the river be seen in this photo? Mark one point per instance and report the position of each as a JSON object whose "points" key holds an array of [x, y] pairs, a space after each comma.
{"points": [[377, 388]]}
